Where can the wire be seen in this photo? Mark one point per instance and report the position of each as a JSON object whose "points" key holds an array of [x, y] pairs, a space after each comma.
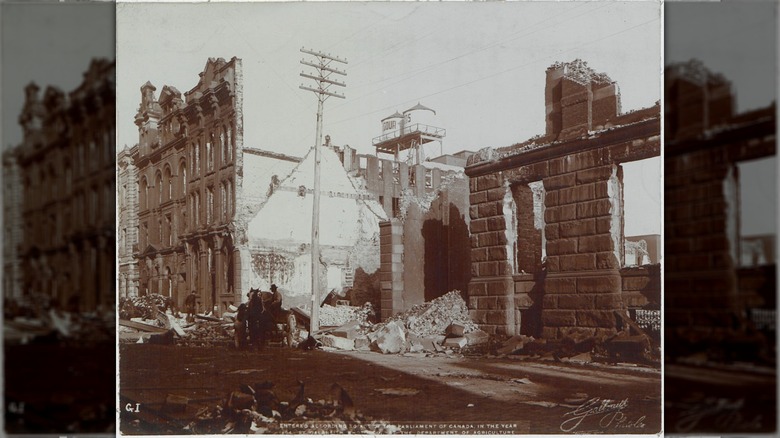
{"points": [[499, 73]]}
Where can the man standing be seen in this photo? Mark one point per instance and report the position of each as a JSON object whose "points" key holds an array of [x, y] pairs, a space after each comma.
{"points": [[191, 304]]}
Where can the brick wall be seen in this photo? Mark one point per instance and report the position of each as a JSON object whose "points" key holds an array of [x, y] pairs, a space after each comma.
{"points": [[704, 142], [391, 267], [641, 287], [580, 286]]}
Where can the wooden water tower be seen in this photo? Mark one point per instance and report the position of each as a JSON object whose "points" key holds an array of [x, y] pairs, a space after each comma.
{"points": [[408, 131]]}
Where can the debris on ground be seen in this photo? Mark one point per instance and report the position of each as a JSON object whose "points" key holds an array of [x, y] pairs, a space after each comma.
{"points": [[37, 318], [144, 306], [440, 326], [629, 344], [434, 317], [334, 316], [257, 409], [168, 329]]}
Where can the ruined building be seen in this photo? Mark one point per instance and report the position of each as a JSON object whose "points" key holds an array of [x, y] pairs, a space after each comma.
{"points": [[280, 233], [546, 215], [709, 291], [127, 221], [197, 187], [425, 198], [189, 162], [12, 226], [59, 217]]}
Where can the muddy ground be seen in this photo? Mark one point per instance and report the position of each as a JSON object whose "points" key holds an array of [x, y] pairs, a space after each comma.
{"points": [[417, 394], [56, 389]]}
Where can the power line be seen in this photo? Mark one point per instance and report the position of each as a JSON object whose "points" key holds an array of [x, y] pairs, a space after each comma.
{"points": [[501, 72], [324, 82], [408, 75]]}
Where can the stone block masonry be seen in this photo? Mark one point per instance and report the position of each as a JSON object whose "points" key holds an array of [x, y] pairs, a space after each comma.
{"points": [[705, 140], [392, 266], [579, 225]]}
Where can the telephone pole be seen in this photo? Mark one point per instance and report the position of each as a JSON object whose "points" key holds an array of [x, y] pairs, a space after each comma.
{"points": [[322, 78]]}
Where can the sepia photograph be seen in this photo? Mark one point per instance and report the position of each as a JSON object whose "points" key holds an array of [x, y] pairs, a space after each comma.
{"points": [[58, 293], [389, 218], [720, 197]]}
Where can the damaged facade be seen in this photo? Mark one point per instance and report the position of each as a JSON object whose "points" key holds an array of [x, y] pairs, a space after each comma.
{"points": [[421, 242], [127, 221], [61, 187], [12, 226], [280, 232], [189, 164], [547, 243], [426, 200], [207, 203], [709, 293]]}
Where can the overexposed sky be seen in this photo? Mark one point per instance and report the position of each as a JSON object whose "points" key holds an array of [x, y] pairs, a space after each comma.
{"points": [[738, 40], [49, 44], [481, 66]]}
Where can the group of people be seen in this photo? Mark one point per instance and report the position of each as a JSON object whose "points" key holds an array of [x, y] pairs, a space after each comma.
{"points": [[257, 317]]}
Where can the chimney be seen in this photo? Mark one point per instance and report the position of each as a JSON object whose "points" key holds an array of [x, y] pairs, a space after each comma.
{"points": [[696, 100], [578, 100]]}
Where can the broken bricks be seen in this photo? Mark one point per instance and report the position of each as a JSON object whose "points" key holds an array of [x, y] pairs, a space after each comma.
{"points": [[455, 342], [337, 342], [391, 338], [263, 412]]}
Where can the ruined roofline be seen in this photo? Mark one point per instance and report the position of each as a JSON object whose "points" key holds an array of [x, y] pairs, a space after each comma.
{"points": [[622, 120], [694, 71], [220, 66], [99, 69], [579, 71], [270, 154]]}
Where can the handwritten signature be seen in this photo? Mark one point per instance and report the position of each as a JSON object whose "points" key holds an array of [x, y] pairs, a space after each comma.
{"points": [[609, 413], [726, 414]]}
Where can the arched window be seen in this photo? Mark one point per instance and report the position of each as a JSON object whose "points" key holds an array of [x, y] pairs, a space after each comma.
{"points": [[223, 201], [197, 208], [230, 199], [144, 194], [210, 205], [182, 179], [159, 186], [210, 153], [191, 158], [197, 159], [225, 146], [168, 184]]}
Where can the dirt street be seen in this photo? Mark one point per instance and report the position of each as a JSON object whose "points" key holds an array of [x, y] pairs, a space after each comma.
{"points": [[417, 394]]}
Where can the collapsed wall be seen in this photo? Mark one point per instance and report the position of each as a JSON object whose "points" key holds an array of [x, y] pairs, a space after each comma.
{"points": [[279, 235], [577, 282]]}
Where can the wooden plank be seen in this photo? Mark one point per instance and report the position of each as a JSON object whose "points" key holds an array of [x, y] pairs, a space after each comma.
{"points": [[141, 326]]}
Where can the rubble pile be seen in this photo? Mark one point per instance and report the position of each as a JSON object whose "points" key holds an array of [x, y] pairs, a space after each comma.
{"points": [[256, 409], [433, 318], [37, 318], [334, 316], [439, 326], [144, 306], [630, 344], [206, 334]]}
